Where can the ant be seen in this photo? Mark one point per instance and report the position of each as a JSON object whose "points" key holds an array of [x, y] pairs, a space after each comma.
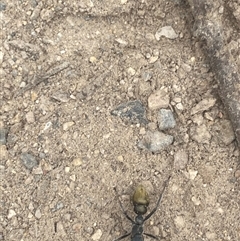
{"points": [[140, 201]]}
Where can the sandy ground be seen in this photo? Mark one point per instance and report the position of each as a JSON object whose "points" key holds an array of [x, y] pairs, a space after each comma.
{"points": [[65, 66]]}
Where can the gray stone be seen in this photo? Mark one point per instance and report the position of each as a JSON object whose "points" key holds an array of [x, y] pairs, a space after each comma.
{"points": [[132, 110], [155, 141], [29, 161], [3, 136], [2, 6], [147, 75], [165, 119]]}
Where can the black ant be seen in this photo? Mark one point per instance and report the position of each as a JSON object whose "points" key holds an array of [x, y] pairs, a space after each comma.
{"points": [[140, 201]]}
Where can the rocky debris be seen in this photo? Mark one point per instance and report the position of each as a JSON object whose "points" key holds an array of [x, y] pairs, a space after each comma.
{"points": [[191, 174], [38, 214], [165, 119], [146, 75], [60, 96], [167, 32], [67, 125], [155, 141], [131, 71], [159, 99], [203, 105], [11, 213], [77, 162], [58, 206], [180, 160], [97, 235], [224, 132], [29, 161], [30, 117], [3, 136], [200, 134], [132, 110]]}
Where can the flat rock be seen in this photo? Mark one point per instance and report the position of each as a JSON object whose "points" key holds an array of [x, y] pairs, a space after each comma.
{"points": [[166, 31], [165, 119], [180, 160], [224, 132], [159, 99], [155, 141], [29, 161], [134, 111], [203, 105]]}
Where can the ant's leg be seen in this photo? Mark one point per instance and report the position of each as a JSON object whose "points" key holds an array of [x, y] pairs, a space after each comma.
{"points": [[122, 237], [159, 200], [124, 212], [150, 235]]}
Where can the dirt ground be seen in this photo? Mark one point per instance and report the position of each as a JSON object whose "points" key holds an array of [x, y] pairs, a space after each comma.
{"points": [[65, 65]]}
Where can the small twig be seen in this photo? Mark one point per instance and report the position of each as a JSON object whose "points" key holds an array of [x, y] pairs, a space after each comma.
{"points": [[37, 79]]}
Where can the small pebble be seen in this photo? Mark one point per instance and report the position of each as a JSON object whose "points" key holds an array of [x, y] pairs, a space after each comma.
{"points": [[179, 106], [67, 125], [29, 161], [60, 229], [147, 76], [58, 206], [77, 162], [192, 174], [1, 53], [2, 6], [167, 32], [211, 236], [3, 153], [97, 235], [180, 160], [30, 117], [155, 141], [38, 214], [131, 71], [11, 213], [159, 99], [3, 136], [165, 119], [60, 96], [132, 110]]}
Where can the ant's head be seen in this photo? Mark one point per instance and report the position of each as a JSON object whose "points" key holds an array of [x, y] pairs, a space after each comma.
{"points": [[140, 200]]}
